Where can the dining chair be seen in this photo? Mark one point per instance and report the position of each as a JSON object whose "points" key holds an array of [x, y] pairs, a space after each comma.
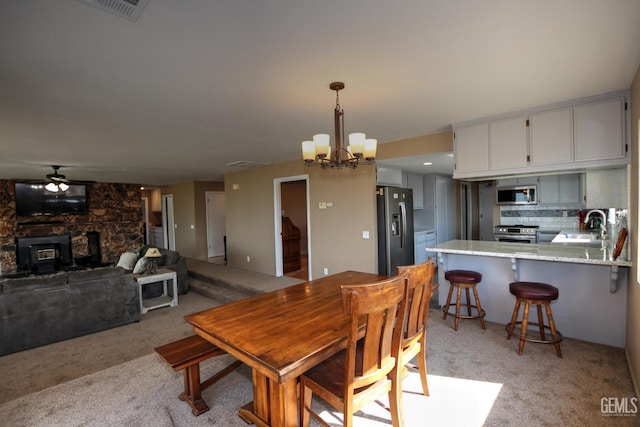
{"points": [[420, 289], [359, 374]]}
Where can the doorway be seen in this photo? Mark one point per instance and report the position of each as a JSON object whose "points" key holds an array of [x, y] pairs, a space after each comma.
{"points": [[291, 199], [466, 211], [216, 224], [486, 196], [168, 222]]}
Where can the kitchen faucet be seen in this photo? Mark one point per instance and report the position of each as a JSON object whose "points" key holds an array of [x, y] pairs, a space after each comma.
{"points": [[603, 228]]}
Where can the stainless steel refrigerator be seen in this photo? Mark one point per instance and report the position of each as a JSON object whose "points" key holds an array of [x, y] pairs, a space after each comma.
{"points": [[395, 228]]}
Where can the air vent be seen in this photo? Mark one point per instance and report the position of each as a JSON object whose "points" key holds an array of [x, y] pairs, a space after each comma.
{"points": [[246, 164], [127, 9]]}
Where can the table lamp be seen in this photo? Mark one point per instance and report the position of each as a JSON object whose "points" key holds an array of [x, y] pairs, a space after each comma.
{"points": [[152, 254]]}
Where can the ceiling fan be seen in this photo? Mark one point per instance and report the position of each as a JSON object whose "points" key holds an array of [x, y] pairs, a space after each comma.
{"points": [[58, 182]]}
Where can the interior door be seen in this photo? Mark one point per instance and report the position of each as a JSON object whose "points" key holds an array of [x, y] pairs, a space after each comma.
{"points": [[216, 223]]}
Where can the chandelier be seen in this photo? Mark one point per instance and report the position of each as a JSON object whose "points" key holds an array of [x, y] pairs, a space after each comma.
{"points": [[319, 150]]}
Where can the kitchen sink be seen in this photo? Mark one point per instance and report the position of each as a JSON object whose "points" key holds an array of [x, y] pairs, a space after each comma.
{"points": [[585, 239]]}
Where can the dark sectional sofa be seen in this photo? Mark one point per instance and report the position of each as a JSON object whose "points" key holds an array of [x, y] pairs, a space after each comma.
{"points": [[38, 310]]}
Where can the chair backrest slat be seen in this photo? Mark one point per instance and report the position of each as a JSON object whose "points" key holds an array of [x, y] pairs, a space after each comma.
{"points": [[378, 304], [420, 289]]}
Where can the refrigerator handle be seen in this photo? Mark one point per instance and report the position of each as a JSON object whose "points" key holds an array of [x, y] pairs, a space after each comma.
{"points": [[403, 220]]}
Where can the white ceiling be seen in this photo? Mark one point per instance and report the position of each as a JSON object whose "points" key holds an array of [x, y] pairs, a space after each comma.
{"points": [[196, 84]]}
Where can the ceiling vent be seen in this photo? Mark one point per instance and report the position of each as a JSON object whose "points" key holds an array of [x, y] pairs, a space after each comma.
{"points": [[246, 164], [127, 9]]}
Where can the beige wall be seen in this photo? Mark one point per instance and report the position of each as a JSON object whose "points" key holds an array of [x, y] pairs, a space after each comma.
{"points": [[633, 289], [435, 143], [336, 233]]}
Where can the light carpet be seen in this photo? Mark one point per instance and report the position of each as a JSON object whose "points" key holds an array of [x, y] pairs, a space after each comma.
{"points": [[476, 378]]}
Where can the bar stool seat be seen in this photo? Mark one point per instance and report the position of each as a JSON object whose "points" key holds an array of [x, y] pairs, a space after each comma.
{"points": [[464, 279], [539, 294]]}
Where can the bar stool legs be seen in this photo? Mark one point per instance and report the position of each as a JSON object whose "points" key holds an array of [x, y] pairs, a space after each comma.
{"points": [[468, 280], [539, 294]]}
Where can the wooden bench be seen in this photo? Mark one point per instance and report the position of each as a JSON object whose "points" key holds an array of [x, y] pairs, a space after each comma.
{"points": [[187, 354]]}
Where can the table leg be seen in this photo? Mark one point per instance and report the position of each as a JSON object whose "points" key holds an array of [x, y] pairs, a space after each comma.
{"points": [[274, 405]]}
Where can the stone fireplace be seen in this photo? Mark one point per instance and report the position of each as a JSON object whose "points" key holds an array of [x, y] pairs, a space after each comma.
{"points": [[114, 214]]}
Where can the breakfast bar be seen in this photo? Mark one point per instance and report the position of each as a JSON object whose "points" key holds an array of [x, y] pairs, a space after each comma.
{"points": [[592, 302]]}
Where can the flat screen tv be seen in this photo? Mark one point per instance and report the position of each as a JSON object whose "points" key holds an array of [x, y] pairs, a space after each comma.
{"points": [[34, 199]]}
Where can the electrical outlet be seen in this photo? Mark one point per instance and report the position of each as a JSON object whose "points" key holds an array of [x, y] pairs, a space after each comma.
{"points": [[248, 258], [325, 271], [565, 214]]}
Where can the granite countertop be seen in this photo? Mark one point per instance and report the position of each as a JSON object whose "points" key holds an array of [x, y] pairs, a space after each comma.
{"points": [[533, 251]]}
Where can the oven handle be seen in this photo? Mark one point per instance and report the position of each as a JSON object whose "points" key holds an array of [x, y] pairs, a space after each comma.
{"points": [[512, 238]]}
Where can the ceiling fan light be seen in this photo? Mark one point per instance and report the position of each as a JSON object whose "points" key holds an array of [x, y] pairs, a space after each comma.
{"points": [[52, 187], [62, 186]]}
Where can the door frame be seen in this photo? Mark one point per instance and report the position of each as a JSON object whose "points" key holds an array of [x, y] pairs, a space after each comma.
{"points": [[277, 217], [145, 218], [168, 222]]}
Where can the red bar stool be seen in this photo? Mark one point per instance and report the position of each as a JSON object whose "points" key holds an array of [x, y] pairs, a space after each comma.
{"points": [[468, 280], [539, 294]]}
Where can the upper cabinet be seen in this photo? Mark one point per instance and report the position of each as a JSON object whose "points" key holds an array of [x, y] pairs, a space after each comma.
{"points": [[389, 176], [551, 137], [508, 143], [471, 148], [580, 134], [599, 128], [415, 182], [564, 190], [156, 203]]}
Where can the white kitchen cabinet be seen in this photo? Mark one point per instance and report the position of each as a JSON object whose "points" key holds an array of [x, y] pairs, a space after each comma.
{"points": [[438, 205], [508, 143], [415, 182], [156, 200], [471, 148], [389, 176], [431, 242], [606, 188], [551, 137], [580, 134], [560, 190], [599, 130], [420, 245], [523, 180]]}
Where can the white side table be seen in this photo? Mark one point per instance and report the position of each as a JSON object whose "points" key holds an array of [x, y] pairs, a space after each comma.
{"points": [[163, 275]]}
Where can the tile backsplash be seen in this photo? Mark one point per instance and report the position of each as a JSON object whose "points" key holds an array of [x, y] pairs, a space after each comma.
{"points": [[545, 218]]}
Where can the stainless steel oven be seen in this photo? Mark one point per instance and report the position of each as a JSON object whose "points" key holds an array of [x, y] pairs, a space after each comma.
{"points": [[515, 233]]}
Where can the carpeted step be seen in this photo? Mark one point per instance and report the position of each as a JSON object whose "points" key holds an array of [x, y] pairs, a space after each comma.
{"points": [[223, 294], [236, 279]]}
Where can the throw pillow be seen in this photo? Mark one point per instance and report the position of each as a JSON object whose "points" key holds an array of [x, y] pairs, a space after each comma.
{"points": [[141, 265], [127, 260]]}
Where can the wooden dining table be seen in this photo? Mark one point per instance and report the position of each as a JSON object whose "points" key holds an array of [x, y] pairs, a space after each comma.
{"points": [[280, 335]]}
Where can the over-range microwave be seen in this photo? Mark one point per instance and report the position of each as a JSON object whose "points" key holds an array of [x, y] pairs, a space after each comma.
{"points": [[517, 195]]}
